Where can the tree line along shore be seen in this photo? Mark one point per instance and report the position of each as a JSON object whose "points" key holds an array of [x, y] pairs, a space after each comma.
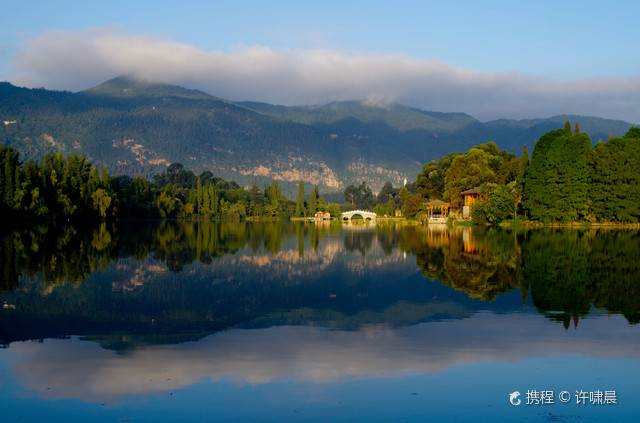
{"points": [[566, 180]]}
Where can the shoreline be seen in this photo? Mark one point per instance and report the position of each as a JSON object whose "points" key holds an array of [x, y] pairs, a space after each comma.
{"points": [[570, 225]]}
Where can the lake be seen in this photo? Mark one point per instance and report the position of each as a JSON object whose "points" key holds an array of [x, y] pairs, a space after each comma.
{"points": [[271, 322]]}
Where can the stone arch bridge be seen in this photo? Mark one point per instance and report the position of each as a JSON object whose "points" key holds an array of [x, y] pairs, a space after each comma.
{"points": [[364, 214]]}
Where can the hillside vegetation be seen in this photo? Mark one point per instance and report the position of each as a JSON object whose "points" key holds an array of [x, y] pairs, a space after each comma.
{"points": [[139, 128]]}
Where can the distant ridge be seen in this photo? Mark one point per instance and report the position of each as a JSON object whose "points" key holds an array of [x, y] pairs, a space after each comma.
{"points": [[129, 87], [396, 115], [138, 127]]}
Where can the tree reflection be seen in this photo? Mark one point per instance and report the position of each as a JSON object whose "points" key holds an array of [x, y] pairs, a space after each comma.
{"points": [[615, 272], [556, 268], [68, 255], [359, 240], [481, 264], [178, 244], [566, 272], [201, 276]]}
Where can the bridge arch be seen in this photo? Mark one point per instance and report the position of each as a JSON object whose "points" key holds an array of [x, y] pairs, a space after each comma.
{"points": [[364, 214]]}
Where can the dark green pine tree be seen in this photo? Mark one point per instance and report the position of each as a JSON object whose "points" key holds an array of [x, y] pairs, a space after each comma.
{"points": [[273, 200], [199, 196], [300, 200], [214, 201], [10, 175], [523, 167], [314, 198], [205, 207], [256, 200]]}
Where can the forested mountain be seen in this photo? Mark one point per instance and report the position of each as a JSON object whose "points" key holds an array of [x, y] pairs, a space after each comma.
{"points": [[396, 116], [139, 128]]}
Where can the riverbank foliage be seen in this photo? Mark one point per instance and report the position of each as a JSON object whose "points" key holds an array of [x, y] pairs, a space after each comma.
{"points": [[498, 173], [566, 180], [58, 188], [70, 188]]}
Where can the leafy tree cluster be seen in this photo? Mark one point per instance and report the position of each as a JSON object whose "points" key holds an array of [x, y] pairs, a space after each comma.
{"points": [[558, 178], [180, 193], [71, 188], [314, 203], [57, 188], [485, 163], [359, 196], [385, 203], [615, 179], [411, 201], [568, 180], [388, 200], [497, 203], [446, 178], [430, 181]]}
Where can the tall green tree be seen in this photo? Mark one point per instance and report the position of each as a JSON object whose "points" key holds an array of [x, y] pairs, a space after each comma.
{"points": [[101, 201], [411, 202], [497, 203], [387, 193], [214, 200], [9, 176], [467, 171], [615, 180], [430, 181], [300, 200], [273, 200], [199, 195], [359, 196], [558, 178], [518, 189], [314, 200], [256, 200]]}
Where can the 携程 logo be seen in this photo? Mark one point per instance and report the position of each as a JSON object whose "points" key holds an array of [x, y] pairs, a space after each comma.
{"points": [[514, 398]]}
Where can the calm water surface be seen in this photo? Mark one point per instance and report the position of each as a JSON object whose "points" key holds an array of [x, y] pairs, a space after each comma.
{"points": [[280, 322]]}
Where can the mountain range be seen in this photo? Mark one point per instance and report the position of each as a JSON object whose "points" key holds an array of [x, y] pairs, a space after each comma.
{"points": [[138, 128]]}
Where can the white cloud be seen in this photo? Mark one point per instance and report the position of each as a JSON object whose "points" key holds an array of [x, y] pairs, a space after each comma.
{"points": [[80, 59], [82, 370]]}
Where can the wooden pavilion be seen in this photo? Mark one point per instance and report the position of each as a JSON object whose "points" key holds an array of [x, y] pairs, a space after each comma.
{"points": [[437, 211]]}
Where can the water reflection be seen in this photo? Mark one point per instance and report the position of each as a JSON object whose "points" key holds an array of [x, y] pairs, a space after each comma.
{"points": [[481, 264], [173, 281], [77, 369], [105, 313]]}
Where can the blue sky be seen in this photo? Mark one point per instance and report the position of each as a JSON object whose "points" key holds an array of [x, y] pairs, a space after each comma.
{"points": [[556, 41]]}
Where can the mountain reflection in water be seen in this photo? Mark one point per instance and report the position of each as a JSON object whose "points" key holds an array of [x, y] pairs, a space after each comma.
{"points": [[161, 306]]}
